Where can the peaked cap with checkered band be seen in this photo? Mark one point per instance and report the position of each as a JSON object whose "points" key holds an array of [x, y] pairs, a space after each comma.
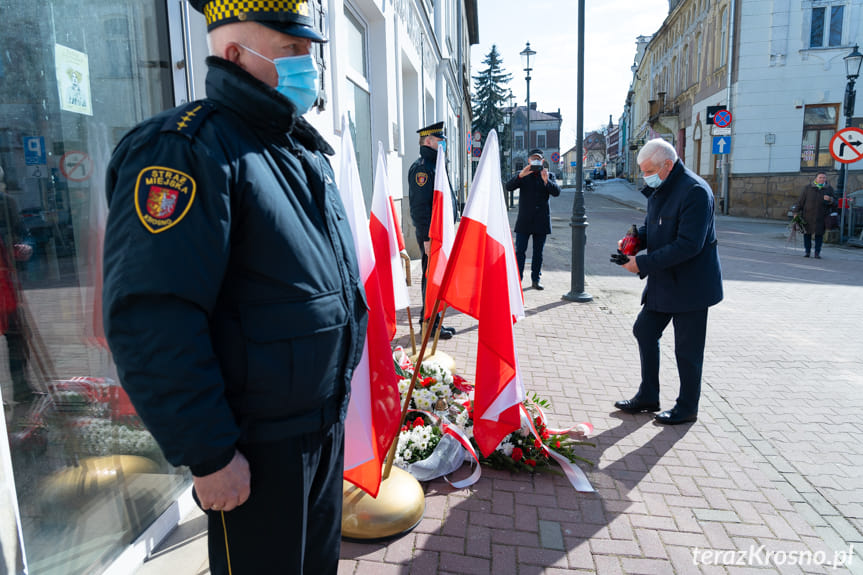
{"points": [[292, 17]]}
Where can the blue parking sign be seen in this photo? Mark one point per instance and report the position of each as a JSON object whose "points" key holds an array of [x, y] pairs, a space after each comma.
{"points": [[34, 150]]}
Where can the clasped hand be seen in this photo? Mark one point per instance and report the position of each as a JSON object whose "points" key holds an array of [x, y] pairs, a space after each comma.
{"points": [[227, 488]]}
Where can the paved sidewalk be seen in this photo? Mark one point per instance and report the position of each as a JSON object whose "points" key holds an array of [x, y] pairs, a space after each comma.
{"points": [[770, 474]]}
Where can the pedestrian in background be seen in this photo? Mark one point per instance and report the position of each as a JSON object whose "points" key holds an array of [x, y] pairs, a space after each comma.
{"points": [[814, 206], [421, 178], [233, 303], [683, 278], [537, 185]]}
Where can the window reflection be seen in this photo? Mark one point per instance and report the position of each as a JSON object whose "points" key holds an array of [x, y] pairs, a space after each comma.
{"points": [[75, 76]]}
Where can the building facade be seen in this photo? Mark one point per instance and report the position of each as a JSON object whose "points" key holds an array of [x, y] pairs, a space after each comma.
{"points": [[544, 134], [613, 152], [83, 488], [777, 66]]}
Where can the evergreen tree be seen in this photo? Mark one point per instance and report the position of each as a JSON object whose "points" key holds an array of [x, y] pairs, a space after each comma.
{"points": [[490, 93]]}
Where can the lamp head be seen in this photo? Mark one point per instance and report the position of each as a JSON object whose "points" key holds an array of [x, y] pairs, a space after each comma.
{"points": [[852, 63], [526, 55]]}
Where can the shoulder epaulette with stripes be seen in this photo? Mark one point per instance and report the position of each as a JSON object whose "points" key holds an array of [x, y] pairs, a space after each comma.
{"points": [[188, 118]]}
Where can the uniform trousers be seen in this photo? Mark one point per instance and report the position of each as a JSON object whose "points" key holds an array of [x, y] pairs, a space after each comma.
{"points": [[690, 332], [425, 265], [536, 259], [291, 523]]}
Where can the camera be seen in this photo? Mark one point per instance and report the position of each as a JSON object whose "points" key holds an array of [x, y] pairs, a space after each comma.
{"points": [[536, 167]]}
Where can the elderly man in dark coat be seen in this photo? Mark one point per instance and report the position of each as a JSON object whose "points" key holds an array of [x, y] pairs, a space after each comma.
{"points": [[537, 185], [814, 204], [683, 278]]}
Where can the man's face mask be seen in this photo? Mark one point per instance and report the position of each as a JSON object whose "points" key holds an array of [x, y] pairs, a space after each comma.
{"points": [[298, 79], [653, 180]]}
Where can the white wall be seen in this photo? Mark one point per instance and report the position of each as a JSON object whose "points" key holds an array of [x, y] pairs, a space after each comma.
{"points": [[778, 77]]}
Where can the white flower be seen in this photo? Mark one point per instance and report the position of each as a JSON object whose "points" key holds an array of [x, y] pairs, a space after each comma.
{"points": [[506, 448]]}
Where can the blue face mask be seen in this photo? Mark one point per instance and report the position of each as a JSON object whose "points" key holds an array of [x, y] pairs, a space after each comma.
{"points": [[653, 180], [298, 79], [442, 145]]}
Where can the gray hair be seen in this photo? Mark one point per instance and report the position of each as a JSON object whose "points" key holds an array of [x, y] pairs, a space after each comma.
{"points": [[656, 151]]}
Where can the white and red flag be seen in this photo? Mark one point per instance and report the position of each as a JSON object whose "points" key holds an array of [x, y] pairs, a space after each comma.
{"points": [[441, 233], [482, 281], [388, 243], [374, 411]]}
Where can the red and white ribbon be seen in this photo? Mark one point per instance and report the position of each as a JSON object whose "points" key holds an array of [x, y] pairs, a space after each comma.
{"points": [[574, 473]]}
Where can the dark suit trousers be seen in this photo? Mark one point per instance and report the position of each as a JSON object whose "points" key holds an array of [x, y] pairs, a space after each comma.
{"points": [[536, 259], [292, 520], [690, 331]]}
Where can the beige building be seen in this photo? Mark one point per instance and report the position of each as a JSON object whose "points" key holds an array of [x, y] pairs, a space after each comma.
{"points": [[779, 68]]}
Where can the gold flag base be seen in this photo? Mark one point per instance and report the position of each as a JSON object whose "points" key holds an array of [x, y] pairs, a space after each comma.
{"points": [[398, 508], [444, 359]]}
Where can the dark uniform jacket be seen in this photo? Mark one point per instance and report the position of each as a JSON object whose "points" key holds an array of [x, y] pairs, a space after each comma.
{"points": [[682, 262], [815, 208], [232, 299], [533, 211], [421, 189]]}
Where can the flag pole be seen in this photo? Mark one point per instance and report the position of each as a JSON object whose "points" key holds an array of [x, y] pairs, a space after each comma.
{"points": [[392, 452], [447, 277], [437, 331], [407, 260]]}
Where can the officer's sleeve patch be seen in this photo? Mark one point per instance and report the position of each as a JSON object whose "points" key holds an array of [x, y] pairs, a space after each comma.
{"points": [[163, 197], [422, 178]]}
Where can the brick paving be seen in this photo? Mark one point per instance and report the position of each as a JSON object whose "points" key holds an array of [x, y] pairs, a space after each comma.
{"points": [[770, 472]]}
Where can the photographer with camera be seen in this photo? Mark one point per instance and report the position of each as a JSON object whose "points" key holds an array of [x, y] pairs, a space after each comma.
{"points": [[536, 185]]}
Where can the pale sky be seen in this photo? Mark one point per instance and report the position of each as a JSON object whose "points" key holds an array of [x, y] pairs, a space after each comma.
{"points": [[551, 27]]}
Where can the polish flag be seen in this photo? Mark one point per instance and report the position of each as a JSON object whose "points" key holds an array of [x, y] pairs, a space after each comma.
{"points": [[441, 233], [374, 411], [482, 281], [387, 242]]}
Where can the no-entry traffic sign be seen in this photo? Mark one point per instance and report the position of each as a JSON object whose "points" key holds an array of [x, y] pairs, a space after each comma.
{"points": [[847, 145]]}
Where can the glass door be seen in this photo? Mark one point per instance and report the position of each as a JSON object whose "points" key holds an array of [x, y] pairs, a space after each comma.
{"points": [[75, 76]]}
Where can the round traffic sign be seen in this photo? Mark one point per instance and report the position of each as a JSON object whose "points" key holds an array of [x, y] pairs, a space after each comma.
{"points": [[846, 146], [76, 166], [555, 158], [722, 119]]}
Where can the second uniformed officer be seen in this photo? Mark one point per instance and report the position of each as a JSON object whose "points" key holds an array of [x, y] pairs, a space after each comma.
{"points": [[232, 299], [421, 187]]}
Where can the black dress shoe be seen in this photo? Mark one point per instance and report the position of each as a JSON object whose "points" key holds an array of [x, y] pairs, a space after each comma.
{"points": [[537, 286], [451, 330], [674, 417], [636, 405], [444, 334]]}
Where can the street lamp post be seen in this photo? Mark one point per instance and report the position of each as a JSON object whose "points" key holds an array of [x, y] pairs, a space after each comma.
{"points": [[578, 222], [852, 72], [526, 55]]}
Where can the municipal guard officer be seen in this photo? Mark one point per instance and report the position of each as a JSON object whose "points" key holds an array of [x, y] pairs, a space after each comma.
{"points": [[421, 179], [232, 299]]}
